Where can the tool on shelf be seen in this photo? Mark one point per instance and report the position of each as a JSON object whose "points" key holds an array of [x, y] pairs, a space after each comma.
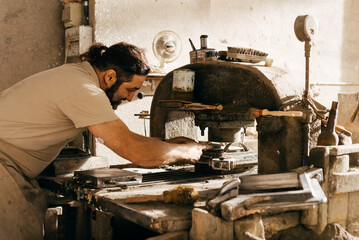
{"points": [[246, 54]]}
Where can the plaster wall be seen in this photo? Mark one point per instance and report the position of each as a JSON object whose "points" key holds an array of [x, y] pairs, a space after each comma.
{"points": [[31, 39], [264, 25]]}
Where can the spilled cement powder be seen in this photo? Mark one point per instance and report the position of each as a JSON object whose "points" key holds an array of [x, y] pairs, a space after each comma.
{"points": [[295, 233], [335, 231], [332, 231]]}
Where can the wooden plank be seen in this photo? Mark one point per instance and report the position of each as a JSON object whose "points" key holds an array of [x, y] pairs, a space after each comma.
{"points": [[51, 222], [158, 217]]}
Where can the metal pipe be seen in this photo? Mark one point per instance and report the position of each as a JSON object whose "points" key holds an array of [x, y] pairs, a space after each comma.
{"points": [[334, 84], [204, 41], [141, 95], [307, 47], [306, 126]]}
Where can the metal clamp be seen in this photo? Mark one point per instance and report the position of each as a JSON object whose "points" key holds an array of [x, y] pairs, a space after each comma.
{"points": [[223, 164], [228, 191]]}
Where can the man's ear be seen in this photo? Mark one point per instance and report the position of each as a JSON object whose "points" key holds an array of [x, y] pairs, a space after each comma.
{"points": [[110, 77]]}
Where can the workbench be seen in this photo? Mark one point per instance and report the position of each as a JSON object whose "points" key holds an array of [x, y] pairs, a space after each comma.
{"points": [[158, 217]]}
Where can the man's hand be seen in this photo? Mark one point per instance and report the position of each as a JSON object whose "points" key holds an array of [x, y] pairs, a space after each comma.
{"points": [[194, 152]]}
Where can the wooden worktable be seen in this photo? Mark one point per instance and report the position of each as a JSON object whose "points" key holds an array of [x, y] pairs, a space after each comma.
{"points": [[156, 216]]}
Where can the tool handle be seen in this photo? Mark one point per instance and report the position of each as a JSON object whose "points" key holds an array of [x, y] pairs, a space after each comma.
{"points": [[266, 112], [196, 105], [192, 45], [339, 129]]}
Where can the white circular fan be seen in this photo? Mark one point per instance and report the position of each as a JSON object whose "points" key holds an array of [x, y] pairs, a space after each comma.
{"points": [[167, 47]]}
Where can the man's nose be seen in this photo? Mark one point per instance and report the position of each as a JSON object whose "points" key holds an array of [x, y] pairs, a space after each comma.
{"points": [[130, 96]]}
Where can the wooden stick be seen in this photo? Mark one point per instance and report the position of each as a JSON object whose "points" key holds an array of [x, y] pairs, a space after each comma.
{"points": [[199, 105], [186, 104], [254, 113]]}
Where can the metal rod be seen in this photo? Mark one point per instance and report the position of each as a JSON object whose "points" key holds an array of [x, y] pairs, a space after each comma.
{"points": [[306, 101], [334, 84], [192, 45], [307, 47], [141, 95]]}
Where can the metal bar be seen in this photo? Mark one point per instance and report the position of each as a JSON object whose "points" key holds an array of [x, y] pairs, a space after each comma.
{"points": [[270, 181], [334, 84]]}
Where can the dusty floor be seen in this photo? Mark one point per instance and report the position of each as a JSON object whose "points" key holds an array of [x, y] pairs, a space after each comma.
{"points": [[332, 232]]}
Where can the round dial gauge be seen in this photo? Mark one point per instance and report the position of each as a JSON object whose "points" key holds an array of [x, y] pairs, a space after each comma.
{"points": [[305, 27]]}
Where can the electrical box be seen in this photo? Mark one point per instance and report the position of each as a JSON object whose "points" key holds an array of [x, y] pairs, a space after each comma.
{"points": [[78, 40], [73, 14]]}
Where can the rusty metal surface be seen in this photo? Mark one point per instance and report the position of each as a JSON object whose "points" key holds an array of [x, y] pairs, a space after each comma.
{"points": [[236, 86], [163, 218], [282, 143]]}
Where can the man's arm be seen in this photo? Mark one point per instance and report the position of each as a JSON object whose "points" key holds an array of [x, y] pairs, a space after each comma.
{"points": [[145, 151]]}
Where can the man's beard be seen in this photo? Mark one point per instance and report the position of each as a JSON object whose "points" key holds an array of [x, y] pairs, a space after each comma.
{"points": [[110, 92]]}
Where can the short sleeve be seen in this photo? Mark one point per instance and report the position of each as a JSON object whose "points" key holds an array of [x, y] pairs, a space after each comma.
{"points": [[88, 106]]}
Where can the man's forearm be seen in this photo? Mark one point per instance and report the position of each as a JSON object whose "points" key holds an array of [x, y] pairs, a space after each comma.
{"points": [[145, 151]]}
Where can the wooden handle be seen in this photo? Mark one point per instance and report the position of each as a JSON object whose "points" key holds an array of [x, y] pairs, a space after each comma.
{"points": [[265, 112], [339, 129], [180, 103], [144, 198], [198, 105]]}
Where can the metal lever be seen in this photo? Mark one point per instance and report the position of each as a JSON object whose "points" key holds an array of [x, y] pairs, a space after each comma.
{"points": [[229, 186], [141, 95], [227, 191], [143, 114]]}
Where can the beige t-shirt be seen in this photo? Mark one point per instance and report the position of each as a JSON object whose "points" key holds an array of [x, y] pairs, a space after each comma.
{"points": [[43, 112]]}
